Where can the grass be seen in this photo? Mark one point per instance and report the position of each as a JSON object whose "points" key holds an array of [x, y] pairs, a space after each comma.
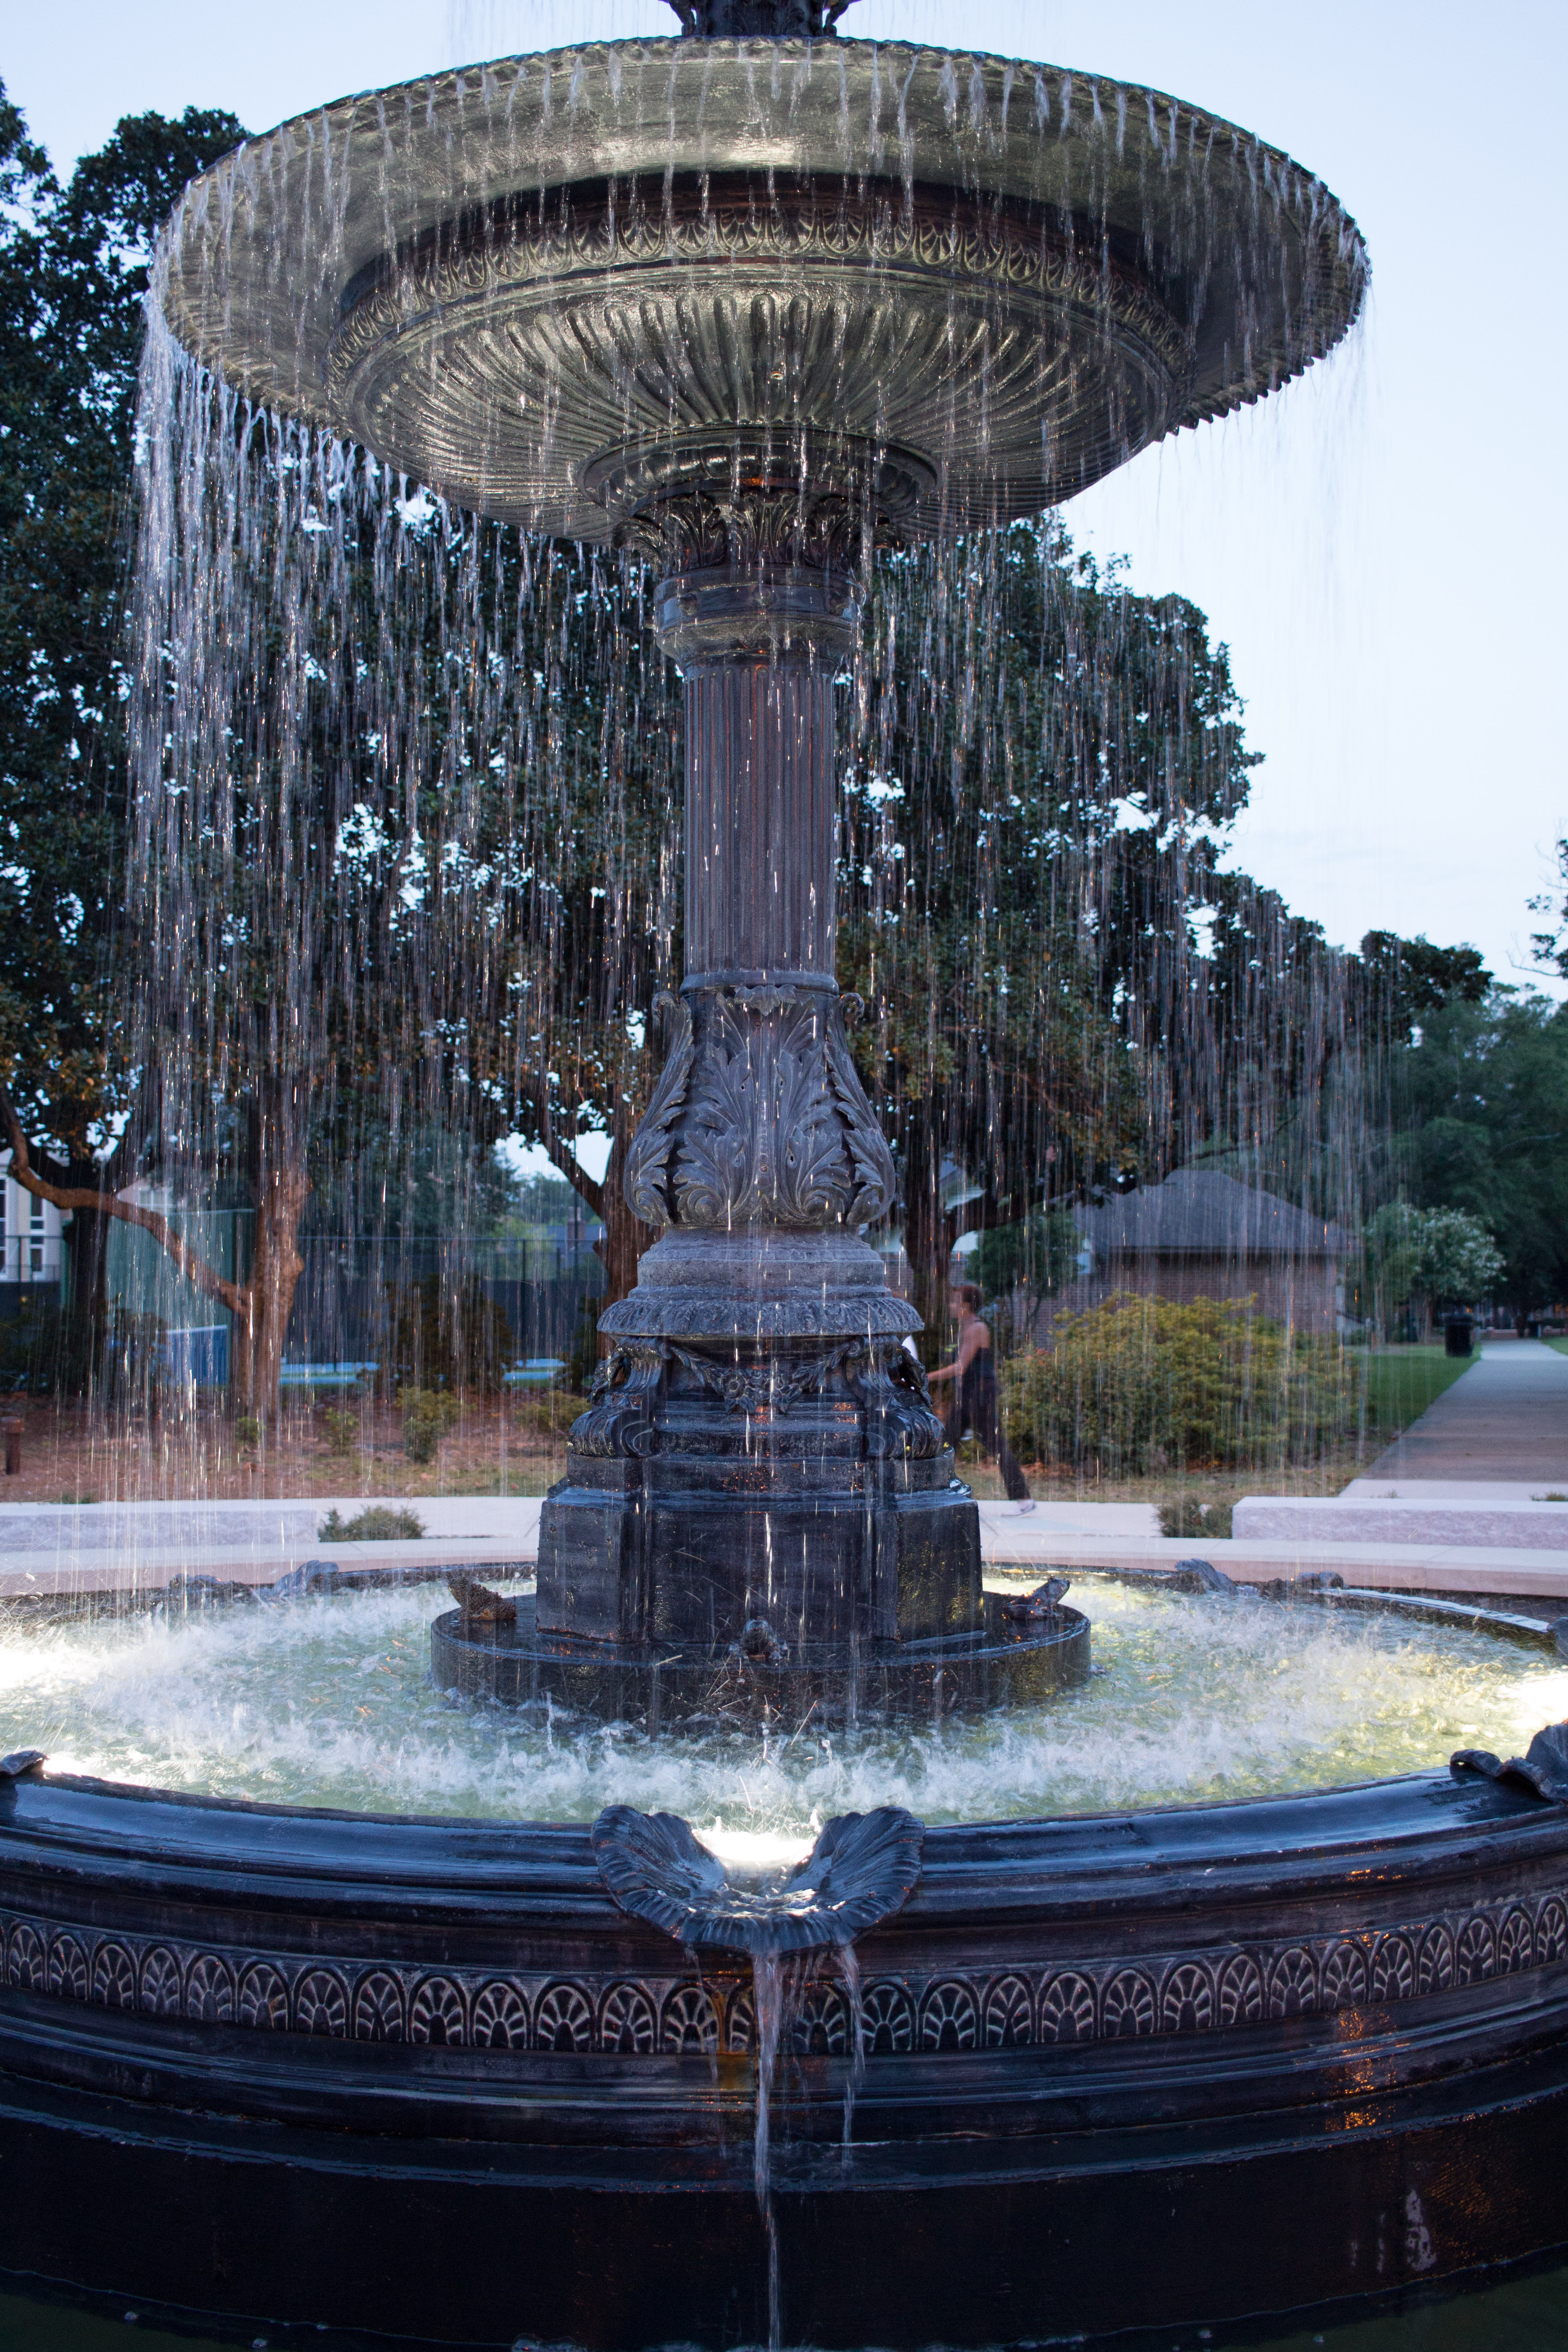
{"points": [[1401, 1382], [1560, 1345]]}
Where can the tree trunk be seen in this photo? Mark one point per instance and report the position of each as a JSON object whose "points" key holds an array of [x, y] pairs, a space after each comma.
{"points": [[624, 1236], [87, 1249], [283, 1189], [275, 1270], [930, 1230]]}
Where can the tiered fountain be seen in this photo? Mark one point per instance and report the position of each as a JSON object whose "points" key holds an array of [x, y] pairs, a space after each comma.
{"points": [[755, 302], [755, 311]]}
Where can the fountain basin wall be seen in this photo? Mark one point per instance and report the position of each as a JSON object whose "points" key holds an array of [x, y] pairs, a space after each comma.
{"points": [[425, 2077]]}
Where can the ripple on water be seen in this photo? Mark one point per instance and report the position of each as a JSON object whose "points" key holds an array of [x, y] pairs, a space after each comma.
{"points": [[327, 1701]]}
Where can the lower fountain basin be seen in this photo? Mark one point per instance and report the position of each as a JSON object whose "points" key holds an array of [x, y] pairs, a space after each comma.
{"points": [[825, 1683], [428, 2078]]}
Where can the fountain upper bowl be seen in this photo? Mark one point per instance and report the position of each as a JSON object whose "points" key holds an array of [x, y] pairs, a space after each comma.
{"points": [[952, 288]]}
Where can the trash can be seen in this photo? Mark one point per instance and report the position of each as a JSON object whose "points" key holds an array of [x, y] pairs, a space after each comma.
{"points": [[1457, 1335]]}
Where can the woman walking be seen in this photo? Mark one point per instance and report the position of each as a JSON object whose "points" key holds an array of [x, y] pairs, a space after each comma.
{"points": [[974, 1406]]}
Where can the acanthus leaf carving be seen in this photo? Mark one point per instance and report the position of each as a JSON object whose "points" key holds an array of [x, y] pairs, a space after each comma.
{"points": [[648, 1157], [762, 1142], [875, 1177]]}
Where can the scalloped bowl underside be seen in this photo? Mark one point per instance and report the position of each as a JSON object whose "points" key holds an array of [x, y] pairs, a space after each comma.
{"points": [[552, 286]]}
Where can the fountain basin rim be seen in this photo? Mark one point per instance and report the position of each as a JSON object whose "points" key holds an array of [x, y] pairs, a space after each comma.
{"points": [[267, 320], [1420, 1826]]}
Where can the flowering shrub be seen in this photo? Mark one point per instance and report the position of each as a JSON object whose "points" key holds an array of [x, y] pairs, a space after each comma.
{"points": [[1140, 1383]]}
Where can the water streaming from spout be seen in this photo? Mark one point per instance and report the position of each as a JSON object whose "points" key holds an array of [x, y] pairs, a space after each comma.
{"points": [[862, 1868], [848, 1960], [769, 1993]]}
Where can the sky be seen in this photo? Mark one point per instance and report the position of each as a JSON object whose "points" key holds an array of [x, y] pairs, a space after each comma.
{"points": [[1380, 545]]}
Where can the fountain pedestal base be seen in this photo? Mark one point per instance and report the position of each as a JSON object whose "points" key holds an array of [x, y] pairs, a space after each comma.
{"points": [[702, 1688]]}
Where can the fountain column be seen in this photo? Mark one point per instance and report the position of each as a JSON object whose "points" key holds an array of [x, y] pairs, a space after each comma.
{"points": [[761, 1445]]}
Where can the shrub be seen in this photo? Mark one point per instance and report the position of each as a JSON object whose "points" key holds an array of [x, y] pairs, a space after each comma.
{"points": [[427, 1415], [1139, 1384], [342, 1430], [547, 1413], [375, 1524], [248, 1430], [45, 1351], [1186, 1519]]}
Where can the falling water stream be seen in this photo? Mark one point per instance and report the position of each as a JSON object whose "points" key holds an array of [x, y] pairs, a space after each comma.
{"points": [[769, 1970]]}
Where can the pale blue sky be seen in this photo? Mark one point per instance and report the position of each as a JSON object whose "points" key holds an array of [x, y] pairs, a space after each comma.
{"points": [[1381, 548]]}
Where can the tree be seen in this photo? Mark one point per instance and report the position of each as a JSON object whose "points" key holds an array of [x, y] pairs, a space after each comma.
{"points": [[73, 277], [1551, 945], [1458, 1261], [1044, 767], [1486, 1091], [1406, 981], [364, 735], [1442, 1256]]}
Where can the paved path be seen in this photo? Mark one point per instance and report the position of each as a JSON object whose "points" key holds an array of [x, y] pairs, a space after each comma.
{"points": [[1506, 1418], [106, 1546]]}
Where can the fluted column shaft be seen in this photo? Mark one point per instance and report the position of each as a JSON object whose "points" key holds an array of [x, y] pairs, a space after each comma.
{"points": [[759, 820]]}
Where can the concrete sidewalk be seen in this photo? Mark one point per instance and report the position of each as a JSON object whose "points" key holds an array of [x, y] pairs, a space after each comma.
{"points": [[110, 1547], [1506, 1419], [139, 1547]]}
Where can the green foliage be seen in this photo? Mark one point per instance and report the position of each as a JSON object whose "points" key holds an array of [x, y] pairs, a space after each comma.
{"points": [[1406, 981], [45, 1351], [1458, 1261], [1444, 1256], [342, 1430], [248, 1430], [447, 1335], [1391, 1246], [547, 1413], [1485, 1095], [538, 1200], [73, 276], [1140, 1383], [1190, 1520], [1035, 749], [428, 1416], [376, 1523], [1034, 1257]]}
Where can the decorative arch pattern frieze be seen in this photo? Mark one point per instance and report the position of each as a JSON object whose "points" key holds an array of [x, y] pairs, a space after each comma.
{"points": [[1189, 1993]]}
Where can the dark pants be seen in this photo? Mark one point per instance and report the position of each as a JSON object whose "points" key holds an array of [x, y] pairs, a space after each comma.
{"points": [[976, 1410]]}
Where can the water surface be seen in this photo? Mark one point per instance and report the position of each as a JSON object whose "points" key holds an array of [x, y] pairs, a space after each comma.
{"points": [[328, 1701]]}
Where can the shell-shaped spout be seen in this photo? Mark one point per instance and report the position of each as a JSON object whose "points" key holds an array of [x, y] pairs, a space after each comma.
{"points": [[862, 1869]]}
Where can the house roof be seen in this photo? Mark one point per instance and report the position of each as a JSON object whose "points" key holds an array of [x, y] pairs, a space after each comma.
{"points": [[1198, 1214]]}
